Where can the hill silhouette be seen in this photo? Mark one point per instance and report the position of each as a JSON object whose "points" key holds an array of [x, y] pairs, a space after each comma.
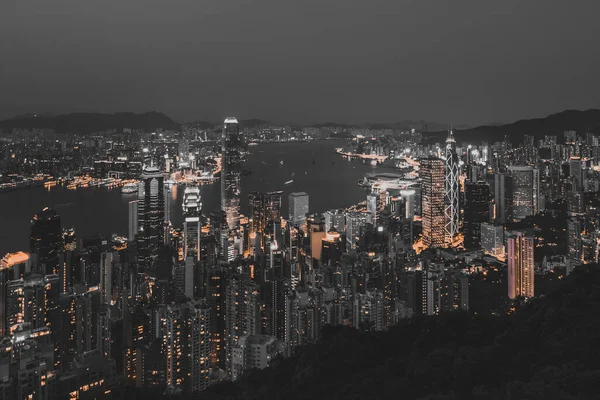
{"points": [[92, 122], [554, 124], [548, 349]]}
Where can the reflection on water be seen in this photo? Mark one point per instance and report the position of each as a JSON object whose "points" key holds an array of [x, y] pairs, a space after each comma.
{"points": [[311, 167]]}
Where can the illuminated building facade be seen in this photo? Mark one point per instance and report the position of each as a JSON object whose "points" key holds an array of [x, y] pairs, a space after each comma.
{"points": [[231, 148], [520, 265], [525, 181], [192, 206], [151, 215], [451, 191], [432, 199]]}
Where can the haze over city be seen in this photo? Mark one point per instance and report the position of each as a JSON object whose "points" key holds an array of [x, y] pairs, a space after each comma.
{"points": [[462, 62]]}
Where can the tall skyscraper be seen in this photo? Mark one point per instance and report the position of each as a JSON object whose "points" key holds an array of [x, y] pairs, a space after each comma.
{"points": [[298, 205], [526, 186], [151, 214], [520, 265], [46, 240], [192, 206], [452, 190], [503, 198], [133, 220], [231, 146], [432, 200], [476, 211]]}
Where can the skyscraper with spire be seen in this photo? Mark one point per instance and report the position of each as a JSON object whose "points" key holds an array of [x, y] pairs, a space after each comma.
{"points": [[151, 215], [231, 155], [452, 191]]}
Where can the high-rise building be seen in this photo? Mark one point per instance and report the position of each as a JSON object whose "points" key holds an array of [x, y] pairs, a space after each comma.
{"points": [[133, 220], [192, 206], [354, 222], [576, 173], [432, 200], [492, 239], [476, 211], [503, 198], [451, 191], [151, 214], [231, 147], [46, 240], [185, 333], [298, 205], [526, 187], [520, 265]]}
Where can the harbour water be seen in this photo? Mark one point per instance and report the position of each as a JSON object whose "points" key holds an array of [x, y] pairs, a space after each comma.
{"points": [[313, 167]]}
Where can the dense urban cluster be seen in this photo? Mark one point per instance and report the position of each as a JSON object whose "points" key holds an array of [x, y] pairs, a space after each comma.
{"points": [[174, 309]]}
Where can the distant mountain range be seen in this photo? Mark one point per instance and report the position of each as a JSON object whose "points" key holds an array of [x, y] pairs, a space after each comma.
{"points": [[554, 124], [92, 122]]}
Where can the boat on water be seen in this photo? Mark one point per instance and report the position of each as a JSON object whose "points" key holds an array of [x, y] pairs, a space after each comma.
{"points": [[288, 182], [130, 188], [281, 162], [252, 144]]}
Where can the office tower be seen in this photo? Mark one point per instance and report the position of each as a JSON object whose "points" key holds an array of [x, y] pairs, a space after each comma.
{"points": [[46, 240], [151, 212], [375, 205], [273, 206], [451, 190], [354, 222], [410, 198], [525, 181], [503, 198], [520, 265], [133, 220], [256, 202], [476, 211], [231, 147], [192, 207], [298, 205], [492, 239], [576, 173], [432, 201]]}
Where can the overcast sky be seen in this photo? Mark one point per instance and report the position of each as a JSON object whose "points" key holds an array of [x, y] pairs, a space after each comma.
{"points": [[459, 61]]}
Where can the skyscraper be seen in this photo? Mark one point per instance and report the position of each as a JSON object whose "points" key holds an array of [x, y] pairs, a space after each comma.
{"points": [[432, 200], [192, 206], [451, 190], [46, 240], [231, 146], [151, 214], [503, 198], [520, 265], [133, 220], [476, 211], [526, 185], [492, 239], [298, 205]]}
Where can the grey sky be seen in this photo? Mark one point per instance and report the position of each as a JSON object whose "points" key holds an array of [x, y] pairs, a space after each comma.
{"points": [[461, 61]]}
